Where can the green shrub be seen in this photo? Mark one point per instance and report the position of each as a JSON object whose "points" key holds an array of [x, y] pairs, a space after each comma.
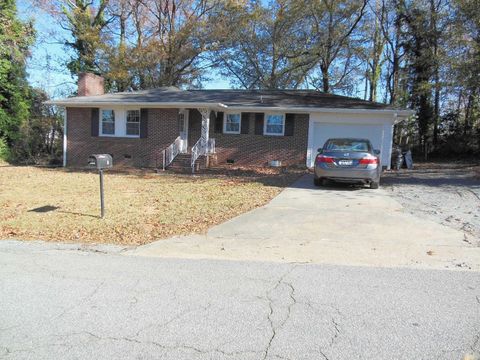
{"points": [[4, 150]]}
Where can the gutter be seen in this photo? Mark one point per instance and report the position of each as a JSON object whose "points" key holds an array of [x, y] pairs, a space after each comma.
{"points": [[221, 106], [394, 112], [402, 115], [67, 103]]}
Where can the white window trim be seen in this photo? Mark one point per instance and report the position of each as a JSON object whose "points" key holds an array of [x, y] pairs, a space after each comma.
{"points": [[139, 120], [225, 116], [266, 121], [100, 123], [120, 123]]}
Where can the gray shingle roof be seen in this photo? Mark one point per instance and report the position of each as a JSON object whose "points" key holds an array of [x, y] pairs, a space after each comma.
{"points": [[231, 98]]}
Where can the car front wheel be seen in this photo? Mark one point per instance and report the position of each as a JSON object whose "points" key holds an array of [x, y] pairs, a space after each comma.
{"points": [[374, 185], [317, 181]]}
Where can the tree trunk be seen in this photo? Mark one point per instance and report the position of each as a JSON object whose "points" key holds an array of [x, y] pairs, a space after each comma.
{"points": [[325, 78], [436, 108], [436, 76]]}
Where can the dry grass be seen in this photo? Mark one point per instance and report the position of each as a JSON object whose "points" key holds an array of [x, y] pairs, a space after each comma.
{"points": [[140, 206]]}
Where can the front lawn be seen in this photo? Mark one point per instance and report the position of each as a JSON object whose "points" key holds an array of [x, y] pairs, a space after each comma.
{"points": [[62, 205]]}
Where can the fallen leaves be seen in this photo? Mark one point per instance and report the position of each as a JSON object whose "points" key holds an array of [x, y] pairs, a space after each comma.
{"points": [[140, 207]]}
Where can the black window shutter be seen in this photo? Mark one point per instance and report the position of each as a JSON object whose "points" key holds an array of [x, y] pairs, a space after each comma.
{"points": [[94, 121], [259, 118], [245, 127], [143, 123], [289, 124], [219, 123]]}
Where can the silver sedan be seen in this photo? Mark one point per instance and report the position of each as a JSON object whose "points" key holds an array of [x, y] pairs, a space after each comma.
{"points": [[352, 161]]}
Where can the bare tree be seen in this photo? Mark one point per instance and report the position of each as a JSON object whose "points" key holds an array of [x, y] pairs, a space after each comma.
{"points": [[332, 25], [265, 51], [84, 20]]}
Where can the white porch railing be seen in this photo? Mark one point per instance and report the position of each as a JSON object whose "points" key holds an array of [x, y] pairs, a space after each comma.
{"points": [[200, 149], [172, 151], [211, 146], [197, 150]]}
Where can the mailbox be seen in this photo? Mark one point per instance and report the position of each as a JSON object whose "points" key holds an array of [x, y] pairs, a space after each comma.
{"points": [[100, 161]]}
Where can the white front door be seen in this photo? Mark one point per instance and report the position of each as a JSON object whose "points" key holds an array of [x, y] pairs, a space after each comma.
{"points": [[183, 129]]}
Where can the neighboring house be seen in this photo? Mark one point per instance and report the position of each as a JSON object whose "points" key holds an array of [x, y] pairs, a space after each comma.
{"points": [[153, 128]]}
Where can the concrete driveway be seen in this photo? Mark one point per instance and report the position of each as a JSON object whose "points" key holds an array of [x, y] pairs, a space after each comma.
{"points": [[333, 225]]}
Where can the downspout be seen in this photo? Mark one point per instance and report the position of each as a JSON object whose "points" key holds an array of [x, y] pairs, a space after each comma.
{"points": [[65, 137], [310, 150], [395, 120]]}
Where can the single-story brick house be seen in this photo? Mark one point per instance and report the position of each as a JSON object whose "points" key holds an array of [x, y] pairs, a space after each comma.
{"points": [[154, 128]]}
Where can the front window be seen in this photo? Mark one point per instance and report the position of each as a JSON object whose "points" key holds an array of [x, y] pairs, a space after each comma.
{"points": [[133, 123], [275, 124], [108, 122], [232, 124]]}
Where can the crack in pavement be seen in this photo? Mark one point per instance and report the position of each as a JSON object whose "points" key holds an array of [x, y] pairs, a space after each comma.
{"points": [[82, 301], [274, 328], [475, 344], [281, 357], [174, 318], [335, 323], [323, 354], [157, 344], [336, 333], [9, 351]]}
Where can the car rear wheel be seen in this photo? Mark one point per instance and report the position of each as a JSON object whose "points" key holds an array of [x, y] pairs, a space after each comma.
{"points": [[374, 185]]}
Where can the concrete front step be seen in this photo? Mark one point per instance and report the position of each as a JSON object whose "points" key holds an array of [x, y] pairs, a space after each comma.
{"points": [[182, 163]]}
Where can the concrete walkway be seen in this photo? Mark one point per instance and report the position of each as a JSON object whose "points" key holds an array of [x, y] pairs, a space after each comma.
{"points": [[343, 226]]}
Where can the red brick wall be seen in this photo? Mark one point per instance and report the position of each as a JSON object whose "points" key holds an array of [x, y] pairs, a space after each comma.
{"points": [[251, 149], [244, 149], [162, 131], [90, 84]]}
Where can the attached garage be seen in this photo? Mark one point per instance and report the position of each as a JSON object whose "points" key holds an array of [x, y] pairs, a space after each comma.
{"points": [[375, 126]]}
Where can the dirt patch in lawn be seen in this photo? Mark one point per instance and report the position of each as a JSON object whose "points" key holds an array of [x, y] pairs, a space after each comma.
{"points": [[141, 207], [448, 193]]}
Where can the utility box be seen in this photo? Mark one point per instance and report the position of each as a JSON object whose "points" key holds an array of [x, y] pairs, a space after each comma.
{"points": [[100, 161]]}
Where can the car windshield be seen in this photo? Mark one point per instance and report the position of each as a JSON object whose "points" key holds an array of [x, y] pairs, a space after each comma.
{"points": [[347, 145]]}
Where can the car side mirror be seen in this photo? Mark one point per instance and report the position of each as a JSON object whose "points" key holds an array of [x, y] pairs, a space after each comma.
{"points": [[376, 152], [320, 150]]}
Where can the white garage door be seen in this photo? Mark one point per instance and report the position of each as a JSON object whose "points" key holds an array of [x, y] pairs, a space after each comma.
{"points": [[324, 131]]}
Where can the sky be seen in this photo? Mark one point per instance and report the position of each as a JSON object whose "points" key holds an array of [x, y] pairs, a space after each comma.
{"points": [[46, 66]]}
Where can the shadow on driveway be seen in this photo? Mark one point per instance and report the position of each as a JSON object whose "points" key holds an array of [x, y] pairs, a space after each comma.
{"points": [[306, 182]]}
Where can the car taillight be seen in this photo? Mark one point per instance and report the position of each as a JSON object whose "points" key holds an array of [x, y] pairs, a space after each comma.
{"points": [[368, 160], [324, 159]]}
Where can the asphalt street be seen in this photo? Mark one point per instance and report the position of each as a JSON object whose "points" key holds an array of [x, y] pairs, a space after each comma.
{"points": [[59, 302]]}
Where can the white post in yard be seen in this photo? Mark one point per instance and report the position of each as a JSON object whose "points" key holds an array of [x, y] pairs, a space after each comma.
{"points": [[65, 137]]}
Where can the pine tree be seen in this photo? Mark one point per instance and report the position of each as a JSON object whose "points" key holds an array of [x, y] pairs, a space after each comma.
{"points": [[15, 39]]}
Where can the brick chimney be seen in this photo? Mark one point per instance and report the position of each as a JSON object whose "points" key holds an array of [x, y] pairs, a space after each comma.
{"points": [[90, 84]]}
